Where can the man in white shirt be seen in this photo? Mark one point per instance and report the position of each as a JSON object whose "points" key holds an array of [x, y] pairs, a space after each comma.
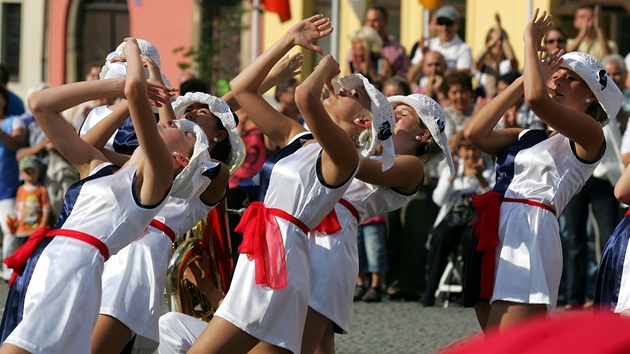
{"points": [[457, 54]]}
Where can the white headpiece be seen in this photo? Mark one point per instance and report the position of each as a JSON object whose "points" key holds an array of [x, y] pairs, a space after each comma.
{"points": [[118, 70], [593, 73], [191, 182], [432, 117], [383, 119], [222, 111]]}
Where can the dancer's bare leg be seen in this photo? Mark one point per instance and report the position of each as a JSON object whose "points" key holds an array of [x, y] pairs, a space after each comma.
{"points": [[110, 335], [482, 310], [314, 329], [221, 336], [264, 348], [8, 348], [506, 314], [327, 344]]}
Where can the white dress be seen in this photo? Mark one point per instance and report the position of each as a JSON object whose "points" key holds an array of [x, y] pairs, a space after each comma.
{"points": [[134, 279], [529, 258], [335, 259], [278, 316], [63, 285]]}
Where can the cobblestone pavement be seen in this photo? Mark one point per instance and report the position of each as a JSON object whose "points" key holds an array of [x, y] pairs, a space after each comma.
{"points": [[393, 327], [404, 327]]}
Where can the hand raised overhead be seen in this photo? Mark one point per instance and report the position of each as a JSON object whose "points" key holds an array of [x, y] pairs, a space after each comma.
{"points": [[330, 67], [307, 31], [537, 27]]}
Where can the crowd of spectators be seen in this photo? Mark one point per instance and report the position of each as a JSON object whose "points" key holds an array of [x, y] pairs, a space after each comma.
{"points": [[421, 240], [404, 253]]}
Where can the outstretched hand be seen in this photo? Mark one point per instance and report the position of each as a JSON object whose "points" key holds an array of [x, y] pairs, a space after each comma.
{"points": [[155, 75], [159, 94], [551, 63], [497, 20], [536, 29], [307, 31], [287, 68]]}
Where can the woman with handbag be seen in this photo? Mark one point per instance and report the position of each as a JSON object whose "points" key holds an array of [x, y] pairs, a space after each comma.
{"points": [[452, 225]]}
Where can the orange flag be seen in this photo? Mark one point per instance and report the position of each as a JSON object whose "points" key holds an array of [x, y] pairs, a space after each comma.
{"points": [[431, 4], [281, 7]]}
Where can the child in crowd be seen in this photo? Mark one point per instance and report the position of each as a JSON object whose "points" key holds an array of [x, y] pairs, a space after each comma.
{"points": [[31, 203]]}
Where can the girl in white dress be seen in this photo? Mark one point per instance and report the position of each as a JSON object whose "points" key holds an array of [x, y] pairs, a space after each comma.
{"points": [[418, 139], [519, 253], [134, 279], [55, 298], [268, 298]]}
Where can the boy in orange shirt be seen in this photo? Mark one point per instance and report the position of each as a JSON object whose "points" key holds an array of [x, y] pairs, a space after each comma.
{"points": [[32, 209]]}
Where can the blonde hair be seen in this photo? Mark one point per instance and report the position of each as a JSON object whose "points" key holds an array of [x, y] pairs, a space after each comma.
{"points": [[363, 140], [429, 149], [368, 37], [596, 111]]}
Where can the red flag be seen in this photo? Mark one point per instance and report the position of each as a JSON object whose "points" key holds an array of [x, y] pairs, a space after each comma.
{"points": [[281, 7]]}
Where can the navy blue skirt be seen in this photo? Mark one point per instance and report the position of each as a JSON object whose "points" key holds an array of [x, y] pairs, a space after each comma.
{"points": [[611, 269]]}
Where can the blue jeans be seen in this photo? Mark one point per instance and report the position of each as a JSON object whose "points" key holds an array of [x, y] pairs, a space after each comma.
{"points": [[372, 251]]}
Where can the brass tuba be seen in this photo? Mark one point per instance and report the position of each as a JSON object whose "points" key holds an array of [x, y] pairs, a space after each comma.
{"points": [[210, 238]]}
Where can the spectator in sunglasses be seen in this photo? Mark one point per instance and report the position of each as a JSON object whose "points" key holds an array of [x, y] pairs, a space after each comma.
{"points": [[555, 38], [456, 52]]}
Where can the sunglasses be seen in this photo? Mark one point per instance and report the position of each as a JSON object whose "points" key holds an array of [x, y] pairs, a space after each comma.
{"points": [[560, 40], [445, 22]]}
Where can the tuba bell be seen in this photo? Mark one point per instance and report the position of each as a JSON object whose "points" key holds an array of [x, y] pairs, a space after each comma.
{"points": [[210, 238]]}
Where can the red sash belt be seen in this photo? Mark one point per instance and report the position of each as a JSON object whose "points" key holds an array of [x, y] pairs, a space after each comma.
{"points": [[486, 224], [627, 212], [164, 228], [262, 242], [330, 224], [18, 260], [350, 207]]}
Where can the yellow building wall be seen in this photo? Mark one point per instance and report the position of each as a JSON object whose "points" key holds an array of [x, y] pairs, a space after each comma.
{"points": [[349, 21], [273, 29], [480, 18], [411, 23]]}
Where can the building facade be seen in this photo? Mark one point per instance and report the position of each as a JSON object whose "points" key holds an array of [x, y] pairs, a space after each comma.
{"points": [[55, 41]]}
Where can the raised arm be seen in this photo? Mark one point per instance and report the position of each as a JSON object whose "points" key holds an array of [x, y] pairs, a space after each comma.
{"points": [[47, 105], [340, 156], [14, 140], [103, 130], [156, 82], [480, 129], [246, 85], [406, 175], [622, 188], [495, 36], [287, 68], [156, 170], [577, 126]]}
